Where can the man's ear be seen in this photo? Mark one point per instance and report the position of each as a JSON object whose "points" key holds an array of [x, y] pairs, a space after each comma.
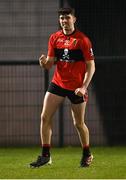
{"points": [[75, 19]]}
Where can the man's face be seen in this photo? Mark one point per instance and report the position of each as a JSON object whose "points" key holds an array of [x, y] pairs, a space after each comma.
{"points": [[67, 21]]}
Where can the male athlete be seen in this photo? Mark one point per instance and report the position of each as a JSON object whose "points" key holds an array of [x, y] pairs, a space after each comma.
{"points": [[71, 51]]}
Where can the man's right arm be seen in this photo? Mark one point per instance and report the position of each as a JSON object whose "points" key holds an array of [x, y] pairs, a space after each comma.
{"points": [[46, 62]]}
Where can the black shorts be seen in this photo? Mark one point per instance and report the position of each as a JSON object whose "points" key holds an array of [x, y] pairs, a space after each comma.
{"points": [[54, 89]]}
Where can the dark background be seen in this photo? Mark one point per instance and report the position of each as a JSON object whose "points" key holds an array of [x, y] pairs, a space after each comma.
{"points": [[104, 21]]}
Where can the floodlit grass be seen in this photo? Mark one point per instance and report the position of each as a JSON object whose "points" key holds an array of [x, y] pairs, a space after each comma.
{"points": [[109, 163]]}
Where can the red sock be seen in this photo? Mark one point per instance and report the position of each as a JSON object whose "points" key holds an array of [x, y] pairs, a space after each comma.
{"points": [[46, 150], [86, 150]]}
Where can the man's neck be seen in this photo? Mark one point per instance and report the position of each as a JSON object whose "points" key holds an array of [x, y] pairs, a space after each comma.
{"points": [[69, 31]]}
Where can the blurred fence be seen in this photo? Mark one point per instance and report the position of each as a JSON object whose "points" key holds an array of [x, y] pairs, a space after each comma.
{"points": [[22, 87], [22, 90], [110, 88], [21, 95], [25, 29]]}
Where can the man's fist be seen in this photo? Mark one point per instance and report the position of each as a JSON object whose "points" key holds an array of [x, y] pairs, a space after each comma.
{"points": [[42, 60], [80, 91]]}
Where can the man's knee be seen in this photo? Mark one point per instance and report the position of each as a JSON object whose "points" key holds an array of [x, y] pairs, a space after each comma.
{"points": [[78, 124], [45, 118]]}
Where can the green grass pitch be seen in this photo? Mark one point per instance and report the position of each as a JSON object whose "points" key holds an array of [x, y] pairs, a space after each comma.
{"points": [[109, 163]]}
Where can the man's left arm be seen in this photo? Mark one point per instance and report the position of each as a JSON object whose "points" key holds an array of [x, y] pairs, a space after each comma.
{"points": [[90, 69]]}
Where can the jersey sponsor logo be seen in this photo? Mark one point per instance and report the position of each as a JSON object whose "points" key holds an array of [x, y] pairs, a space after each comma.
{"points": [[67, 42], [69, 54], [66, 54], [60, 40]]}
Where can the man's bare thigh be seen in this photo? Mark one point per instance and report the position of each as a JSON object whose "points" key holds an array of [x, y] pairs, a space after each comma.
{"points": [[51, 103]]}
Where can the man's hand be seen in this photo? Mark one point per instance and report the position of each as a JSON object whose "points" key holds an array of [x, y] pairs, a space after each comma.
{"points": [[80, 91], [42, 60], [90, 69]]}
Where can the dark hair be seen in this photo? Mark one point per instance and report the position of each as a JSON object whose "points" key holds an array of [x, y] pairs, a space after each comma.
{"points": [[63, 11]]}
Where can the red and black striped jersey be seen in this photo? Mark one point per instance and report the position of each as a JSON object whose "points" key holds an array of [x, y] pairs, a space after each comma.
{"points": [[71, 53]]}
